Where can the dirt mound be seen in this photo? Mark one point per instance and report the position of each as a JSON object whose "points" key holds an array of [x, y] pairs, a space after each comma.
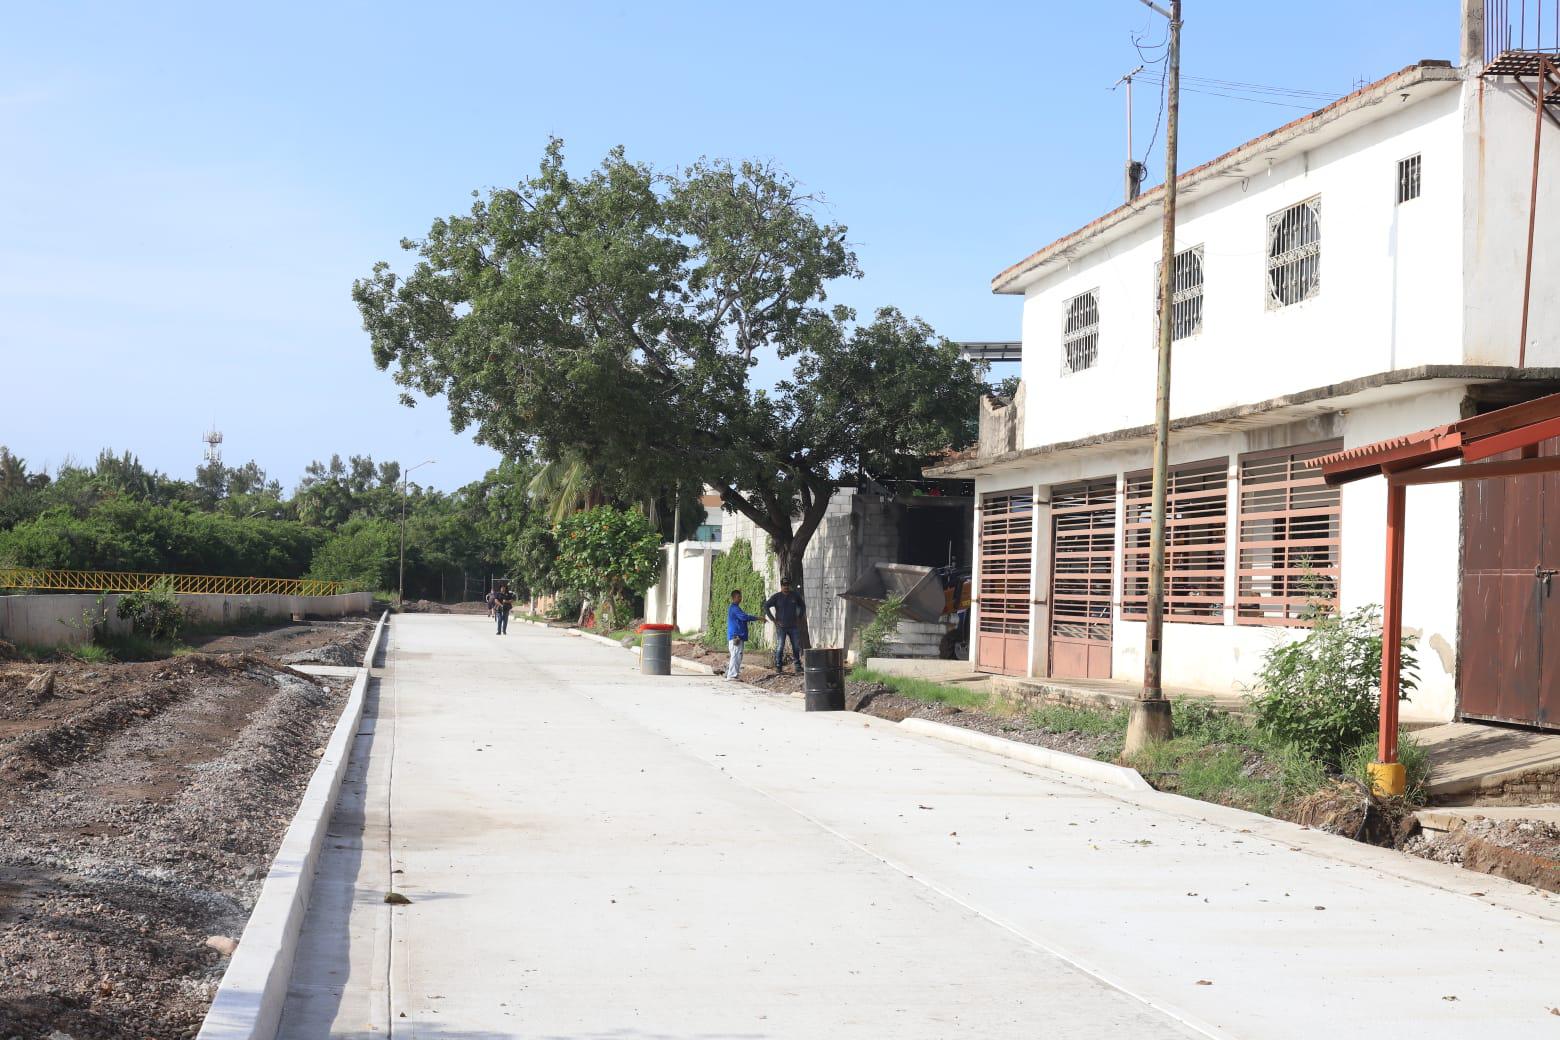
{"points": [[1527, 851], [139, 808], [1345, 807], [8, 652]]}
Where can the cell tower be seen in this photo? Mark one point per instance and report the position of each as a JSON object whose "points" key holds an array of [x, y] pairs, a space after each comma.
{"points": [[213, 440]]}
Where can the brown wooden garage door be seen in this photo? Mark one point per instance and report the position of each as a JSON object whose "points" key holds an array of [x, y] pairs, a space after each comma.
{"points": [[1509, 643], [1007, 524], [1083, 554]]}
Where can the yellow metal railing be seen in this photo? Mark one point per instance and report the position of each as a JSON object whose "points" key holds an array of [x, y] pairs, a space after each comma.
{"points": [[135, 581]]}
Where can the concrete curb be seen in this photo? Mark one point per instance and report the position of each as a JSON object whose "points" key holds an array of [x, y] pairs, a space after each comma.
{"points": [[1061, 762], [248, 1004]]}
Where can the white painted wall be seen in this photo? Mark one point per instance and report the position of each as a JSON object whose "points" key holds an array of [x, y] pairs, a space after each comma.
{"points": [[1390, 278], [695, 566], [1498, 159]]}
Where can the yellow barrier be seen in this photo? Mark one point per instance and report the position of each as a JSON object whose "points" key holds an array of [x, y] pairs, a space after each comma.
{"points": [[133, 581]]}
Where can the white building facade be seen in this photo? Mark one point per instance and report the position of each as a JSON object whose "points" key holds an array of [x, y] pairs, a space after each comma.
{"points": [[1353, 276]]}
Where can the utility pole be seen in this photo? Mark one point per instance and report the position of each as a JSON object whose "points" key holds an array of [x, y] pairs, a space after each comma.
{"points": [[1135, 169], [676, 548], [1150, 720], [400, 581]]}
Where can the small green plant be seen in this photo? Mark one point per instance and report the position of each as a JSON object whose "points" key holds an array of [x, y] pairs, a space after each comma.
{"points": [[875, 635], [566, 605], [924, 689], [154, 612], [1322, 692], [1067, 718]]}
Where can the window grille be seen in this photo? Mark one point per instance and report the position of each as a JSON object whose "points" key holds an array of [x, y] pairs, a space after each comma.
{"points": [[1294, 249], [1081, 333], [1408, 179], [1196, 540], [1290, 535], [1186, 294]]}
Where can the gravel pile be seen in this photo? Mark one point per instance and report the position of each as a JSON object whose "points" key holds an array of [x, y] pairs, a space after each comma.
{"points": [[1519, 850], [141, 808]]}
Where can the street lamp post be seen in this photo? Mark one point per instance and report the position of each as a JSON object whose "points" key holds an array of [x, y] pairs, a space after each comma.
{"points": [[1150, 720], [400, 581]]}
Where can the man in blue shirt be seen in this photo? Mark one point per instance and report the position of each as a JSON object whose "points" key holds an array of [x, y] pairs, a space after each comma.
{"points": [[786, 609], [736, 633]]}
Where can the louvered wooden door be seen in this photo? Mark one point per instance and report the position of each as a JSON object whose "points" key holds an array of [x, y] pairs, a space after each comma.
{"points": [[1007, 524], [1083, 553]]}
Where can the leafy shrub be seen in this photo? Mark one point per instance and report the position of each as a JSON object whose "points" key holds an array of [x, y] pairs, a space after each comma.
{"points": [[609, 552], [734, 569], [364, 552], [885, 623], [566, 605], [1322, 692], [153, 612]]}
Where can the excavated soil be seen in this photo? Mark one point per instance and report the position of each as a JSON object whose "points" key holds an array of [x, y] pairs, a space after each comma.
{"points": [[1527, 851], [140, 806]]}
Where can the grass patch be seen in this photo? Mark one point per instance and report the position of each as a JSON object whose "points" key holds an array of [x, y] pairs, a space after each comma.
{"points": [[924, 689], [1067, 718]]}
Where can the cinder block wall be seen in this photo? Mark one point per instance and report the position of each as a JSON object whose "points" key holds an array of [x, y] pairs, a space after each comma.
{"points": [[66, 619]]}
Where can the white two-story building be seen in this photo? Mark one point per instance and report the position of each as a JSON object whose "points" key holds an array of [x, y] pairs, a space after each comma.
{"points": [[1355, 275]]}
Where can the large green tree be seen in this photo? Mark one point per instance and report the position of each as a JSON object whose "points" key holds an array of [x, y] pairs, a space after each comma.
{"points": [[621, 318]]}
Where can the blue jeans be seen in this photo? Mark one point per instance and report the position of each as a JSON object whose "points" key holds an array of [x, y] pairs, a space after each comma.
{"points": [[503, 621], [781, 634]]}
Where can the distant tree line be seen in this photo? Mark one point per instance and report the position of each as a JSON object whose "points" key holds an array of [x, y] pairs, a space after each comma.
{"points": [[341, 521]]}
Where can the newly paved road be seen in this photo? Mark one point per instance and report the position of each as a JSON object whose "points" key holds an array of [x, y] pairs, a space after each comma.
{"points": [[593, 854]]}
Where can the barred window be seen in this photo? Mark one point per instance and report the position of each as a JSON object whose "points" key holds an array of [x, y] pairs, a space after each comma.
{"points": [[1294, 251], [1408, 179], [1081, 332], [1290, 535], [1186, 294], [1196, 539]]}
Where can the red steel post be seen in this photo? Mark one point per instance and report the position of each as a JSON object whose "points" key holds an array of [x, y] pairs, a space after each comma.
{"points": [[1392, 626]]}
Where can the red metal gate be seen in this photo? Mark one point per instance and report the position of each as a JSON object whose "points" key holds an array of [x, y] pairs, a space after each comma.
{"points": [[1083, 554], [1509, 643], [1007, 523]]}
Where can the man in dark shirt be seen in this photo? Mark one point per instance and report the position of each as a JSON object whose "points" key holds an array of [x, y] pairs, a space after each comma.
{"points": [[503, 601], [787, 611]]}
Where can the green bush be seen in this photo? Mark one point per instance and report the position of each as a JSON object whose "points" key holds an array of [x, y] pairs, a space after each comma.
{"points": [[154, 612], [877, 631], [1322, 692], [609, 553], [364, 552], [566, 605], [734, 569]]}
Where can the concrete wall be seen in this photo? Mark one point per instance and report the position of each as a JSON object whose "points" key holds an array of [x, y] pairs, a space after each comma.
{"points": [[1225, 657], [66, 619], [695, 568], [1390, 296]]}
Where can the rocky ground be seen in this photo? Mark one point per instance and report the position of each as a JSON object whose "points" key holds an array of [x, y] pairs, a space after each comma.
{"points": [[140, 805], [882, 701], [1519, 850]]}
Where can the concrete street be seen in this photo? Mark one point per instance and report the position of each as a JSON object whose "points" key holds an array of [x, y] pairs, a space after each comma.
{"points": [[592, 853]]}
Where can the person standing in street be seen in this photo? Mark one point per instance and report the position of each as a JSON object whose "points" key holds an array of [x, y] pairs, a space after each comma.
{"points": [[787, 611], [503, 602], [736, 634]]}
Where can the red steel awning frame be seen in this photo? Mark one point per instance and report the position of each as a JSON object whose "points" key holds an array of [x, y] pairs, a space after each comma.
{"points": [[1414, 459]]}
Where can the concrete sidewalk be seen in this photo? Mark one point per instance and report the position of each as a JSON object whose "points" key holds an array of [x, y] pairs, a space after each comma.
{"points": [[590, 853]]}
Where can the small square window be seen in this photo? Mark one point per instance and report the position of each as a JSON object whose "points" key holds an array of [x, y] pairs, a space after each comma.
{"points": [[1408, 179], [1081, 332]]}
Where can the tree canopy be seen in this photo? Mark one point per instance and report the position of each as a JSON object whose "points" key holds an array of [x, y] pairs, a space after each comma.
{"points": [[619, 318]]}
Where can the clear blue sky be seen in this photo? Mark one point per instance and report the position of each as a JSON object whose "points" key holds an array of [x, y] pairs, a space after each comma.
{"points": [[188, 191]]}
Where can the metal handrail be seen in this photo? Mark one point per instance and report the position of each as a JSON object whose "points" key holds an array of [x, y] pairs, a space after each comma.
{"points": [[140, 581]]}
